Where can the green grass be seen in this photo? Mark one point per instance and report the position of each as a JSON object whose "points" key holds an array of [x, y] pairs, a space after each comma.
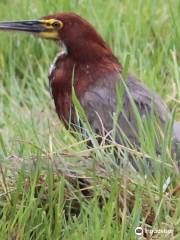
{"points": [[36, 201]]}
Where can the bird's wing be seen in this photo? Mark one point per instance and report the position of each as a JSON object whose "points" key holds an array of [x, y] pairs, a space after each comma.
{"points": [[145, 98], [100, 103], [142, 95]]}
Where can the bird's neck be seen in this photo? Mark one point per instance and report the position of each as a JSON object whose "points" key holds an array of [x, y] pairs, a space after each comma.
{"points": [[87, 52], [85, 69], [91, 53]]}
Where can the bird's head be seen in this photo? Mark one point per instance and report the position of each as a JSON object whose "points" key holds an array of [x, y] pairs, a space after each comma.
{"points": [[79, 36]]}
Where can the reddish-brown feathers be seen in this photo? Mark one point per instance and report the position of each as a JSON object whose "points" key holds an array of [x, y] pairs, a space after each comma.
{"points": [[90, 66], [88, 59]]}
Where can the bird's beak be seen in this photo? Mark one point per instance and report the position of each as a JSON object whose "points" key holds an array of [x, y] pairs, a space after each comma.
{"points": [[23, 26], [37, 27]]}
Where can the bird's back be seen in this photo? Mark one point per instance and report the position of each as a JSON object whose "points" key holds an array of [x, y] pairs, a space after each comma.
{"points": [[100, 102]]}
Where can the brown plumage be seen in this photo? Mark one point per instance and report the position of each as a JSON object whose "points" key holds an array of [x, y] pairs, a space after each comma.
{"points": [[89, 65], [88, 57]]}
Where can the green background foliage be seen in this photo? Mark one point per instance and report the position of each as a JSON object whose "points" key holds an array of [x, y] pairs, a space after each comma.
{"points": [[148, 33]]}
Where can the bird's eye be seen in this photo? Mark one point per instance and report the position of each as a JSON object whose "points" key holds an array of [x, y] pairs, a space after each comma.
{"points": [[56, 25]]}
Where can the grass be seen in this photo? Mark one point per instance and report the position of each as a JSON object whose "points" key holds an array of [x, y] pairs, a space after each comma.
{"points": [[36, 200]]}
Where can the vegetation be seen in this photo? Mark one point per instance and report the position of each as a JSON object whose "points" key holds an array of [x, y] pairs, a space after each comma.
{"points": [[44, 168]]}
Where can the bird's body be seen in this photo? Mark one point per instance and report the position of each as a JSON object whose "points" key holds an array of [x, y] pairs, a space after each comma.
{"points": [[97, 97], [88, 65], [82, 76]]}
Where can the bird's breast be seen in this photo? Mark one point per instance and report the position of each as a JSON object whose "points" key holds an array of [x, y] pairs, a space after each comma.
{"points": [[65, 74], [53, 65], [60, 81]]}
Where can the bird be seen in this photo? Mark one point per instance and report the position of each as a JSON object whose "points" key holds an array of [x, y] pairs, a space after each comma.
{"points": [[87, 66]]}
